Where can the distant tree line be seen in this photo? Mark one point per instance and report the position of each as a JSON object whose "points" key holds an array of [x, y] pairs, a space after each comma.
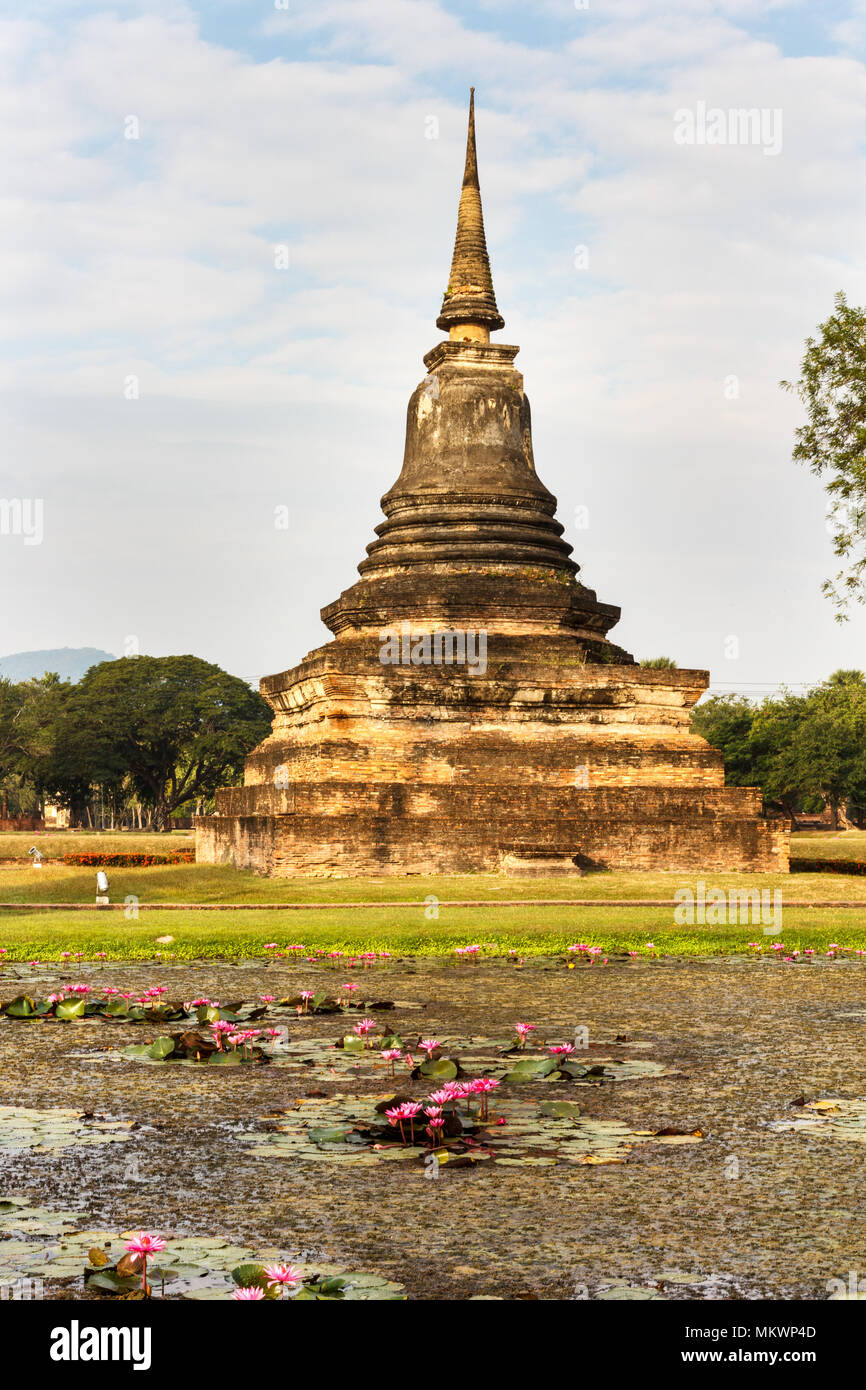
{"points": [[806, 752], [135, 740]]}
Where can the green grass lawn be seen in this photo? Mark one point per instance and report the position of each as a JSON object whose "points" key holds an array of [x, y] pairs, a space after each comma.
{"points": [[400, 929], [826, 844], [15, 844], [209, 883], [404, 931]]}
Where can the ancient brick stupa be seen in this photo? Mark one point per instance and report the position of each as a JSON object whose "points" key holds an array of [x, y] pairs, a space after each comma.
{"points": [[471, 712]]}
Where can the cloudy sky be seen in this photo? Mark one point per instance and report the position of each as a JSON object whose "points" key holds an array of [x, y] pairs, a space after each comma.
{"points": [[169, 381]]}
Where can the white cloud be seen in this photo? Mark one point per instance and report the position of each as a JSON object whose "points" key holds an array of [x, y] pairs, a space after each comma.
{"points": [[154, 258]]}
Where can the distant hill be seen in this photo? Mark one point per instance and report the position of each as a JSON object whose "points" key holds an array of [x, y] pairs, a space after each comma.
{"points": [[70, 663]]}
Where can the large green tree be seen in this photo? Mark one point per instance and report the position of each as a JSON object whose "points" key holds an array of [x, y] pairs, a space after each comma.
{"points": [[832, 442], [30, 715], [830, 747], [177, 726], [799, 749], [726, 722], [160, 731]]}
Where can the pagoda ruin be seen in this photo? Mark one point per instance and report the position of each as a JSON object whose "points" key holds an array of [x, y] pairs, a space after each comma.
{"points": [[471, 712]]}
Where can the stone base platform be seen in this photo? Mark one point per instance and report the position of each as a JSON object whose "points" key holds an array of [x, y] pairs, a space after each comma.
{"points": [[361, 829], [374, 770]]}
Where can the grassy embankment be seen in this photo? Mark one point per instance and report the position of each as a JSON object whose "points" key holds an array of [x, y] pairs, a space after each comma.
{"points": [[389, 925]]}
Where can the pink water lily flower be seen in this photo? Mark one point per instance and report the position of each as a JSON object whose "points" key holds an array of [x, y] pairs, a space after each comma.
{"points": [[250, 1295], [452, 1091], [364, 1028], [395, 1116], [282, 1276], [390, 1055], [145, 1245], [483, 1086], [407, 1111], [218, 1028]]}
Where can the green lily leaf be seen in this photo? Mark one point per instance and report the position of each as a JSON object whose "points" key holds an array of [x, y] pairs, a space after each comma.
{"points": [[335, 1134], [109, 1281], [532, 1069], [560, 1109], [252, 1276], [20, 1007], [442, 1069], [70, 1008]]}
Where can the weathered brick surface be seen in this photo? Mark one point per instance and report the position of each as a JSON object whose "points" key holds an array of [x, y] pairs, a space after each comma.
{"points": [[378, 776]]}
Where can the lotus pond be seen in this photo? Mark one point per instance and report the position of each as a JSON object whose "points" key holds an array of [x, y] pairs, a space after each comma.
{"points": [[438, 1129]]}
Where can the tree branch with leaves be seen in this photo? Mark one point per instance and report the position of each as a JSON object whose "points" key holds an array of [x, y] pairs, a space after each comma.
{"points": [[832, 442]]}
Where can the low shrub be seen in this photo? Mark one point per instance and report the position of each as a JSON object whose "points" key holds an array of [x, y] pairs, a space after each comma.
{"points": [[128, 861], [828, 866]]}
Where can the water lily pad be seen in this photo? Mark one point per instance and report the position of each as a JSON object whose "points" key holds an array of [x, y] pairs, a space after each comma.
{"points": [[627, 1292], [560, 1109], [828, 1119], [46, 1131], [195, 1267], [531, 1069], [440, 1069]]}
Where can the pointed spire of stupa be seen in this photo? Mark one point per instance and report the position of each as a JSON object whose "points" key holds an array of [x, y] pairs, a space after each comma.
{"points": [[469, 298]]}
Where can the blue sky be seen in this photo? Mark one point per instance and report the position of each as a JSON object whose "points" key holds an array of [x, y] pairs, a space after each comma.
{"points": [[151, 260]]}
